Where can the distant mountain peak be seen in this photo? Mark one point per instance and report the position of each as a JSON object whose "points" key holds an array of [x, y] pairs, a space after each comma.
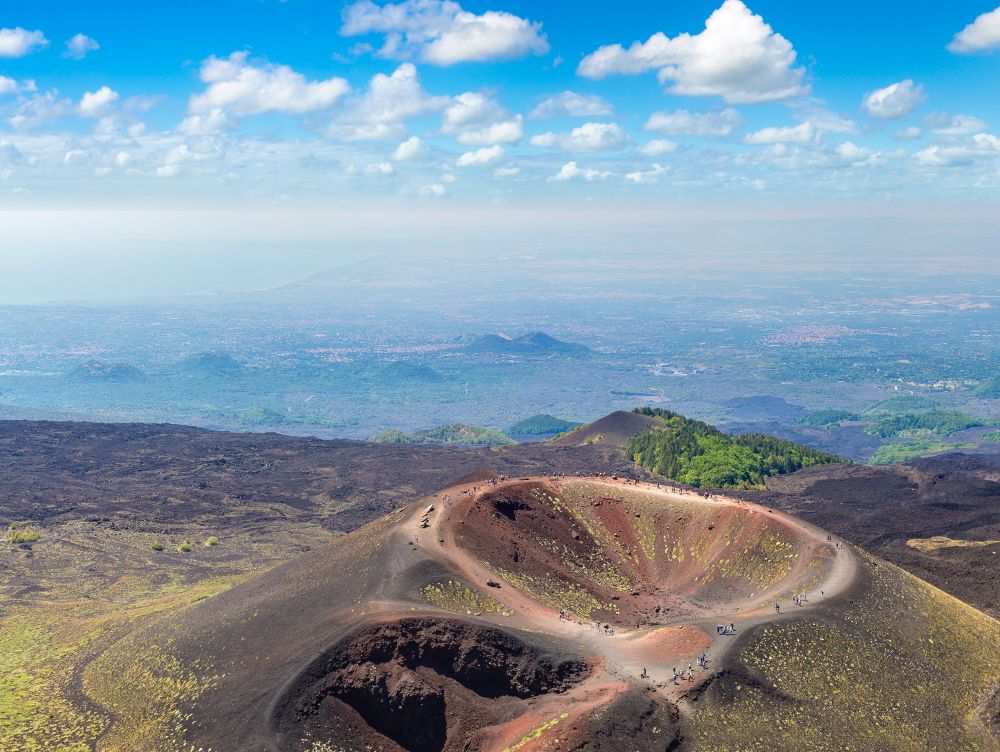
{"points": [[533, 343]]}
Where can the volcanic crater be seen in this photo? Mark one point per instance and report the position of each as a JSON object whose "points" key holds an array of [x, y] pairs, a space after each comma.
{"points": [[522, 615]]}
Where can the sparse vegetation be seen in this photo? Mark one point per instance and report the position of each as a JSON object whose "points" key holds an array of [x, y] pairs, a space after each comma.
{"points": [[937, 542], [992, 436], [815, 682], [698, 454], [904, 451], [826, 418], [157, 546], [15, 534], [211, 541], [184, 547], [457, 434], [458, 597]]}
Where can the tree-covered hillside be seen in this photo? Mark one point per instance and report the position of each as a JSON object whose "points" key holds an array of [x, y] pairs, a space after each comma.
{"points": [[938, 422], [697, 454], [540, 425]]}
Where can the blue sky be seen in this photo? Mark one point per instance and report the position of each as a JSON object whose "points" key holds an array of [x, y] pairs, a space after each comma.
{"points": [[118, 103]]}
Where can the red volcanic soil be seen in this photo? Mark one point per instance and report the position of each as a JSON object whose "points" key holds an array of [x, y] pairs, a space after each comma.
{"points": [[346, 647], [414, 683], [646, 557]]}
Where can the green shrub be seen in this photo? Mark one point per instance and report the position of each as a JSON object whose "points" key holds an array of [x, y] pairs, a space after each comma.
{"points": [[157, 546], [211, 541], [15, 534], [184, 547]]}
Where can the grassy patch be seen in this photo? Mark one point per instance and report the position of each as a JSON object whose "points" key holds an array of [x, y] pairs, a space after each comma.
{"points": [[903, 451], [455, 596], [901, 672], [17, 534], [934, 543]]}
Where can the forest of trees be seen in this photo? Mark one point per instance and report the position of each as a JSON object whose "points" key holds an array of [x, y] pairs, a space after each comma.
{"points": [[540, 425], [698, 454], [939, 422]]}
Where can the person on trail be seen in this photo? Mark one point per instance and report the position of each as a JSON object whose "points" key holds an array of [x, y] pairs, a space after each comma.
{"points": [[718, 629], [675, 675], [732, 628], [777, 607], [822, 595]]}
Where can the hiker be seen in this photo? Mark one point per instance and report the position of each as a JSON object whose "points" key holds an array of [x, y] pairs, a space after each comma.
{"points": [[732, 628], [675, 675], [777, 607], [822, 595]]}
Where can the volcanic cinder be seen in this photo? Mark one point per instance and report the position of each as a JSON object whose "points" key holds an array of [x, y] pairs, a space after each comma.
{"points": [[563, 614]]}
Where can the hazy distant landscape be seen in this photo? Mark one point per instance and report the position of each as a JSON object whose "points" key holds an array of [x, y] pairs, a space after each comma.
{"points": [[343, 354]]}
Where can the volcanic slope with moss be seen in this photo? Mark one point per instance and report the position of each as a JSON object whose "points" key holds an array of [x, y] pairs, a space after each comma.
{"points": [[475, 631], [698, 454]]}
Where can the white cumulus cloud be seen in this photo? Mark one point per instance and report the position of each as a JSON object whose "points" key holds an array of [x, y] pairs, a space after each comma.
{"points": [[240, 87], [79, 45], [895, 100], [95, 103], [684, 123], [390, 100], [738, 57], [803, 133], [411, 148], [980, 146], [957, 125], [434, 189], [442, 33], [657, 147], [214, 121], [588, 137], [475, 119], [18, 42], [643, 177], [571, 104], [8, 86], [572, 171], [980, 35], [483, 156]]}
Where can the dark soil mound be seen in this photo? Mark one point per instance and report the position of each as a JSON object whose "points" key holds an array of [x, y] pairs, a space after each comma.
{"points": [[612, 430]]}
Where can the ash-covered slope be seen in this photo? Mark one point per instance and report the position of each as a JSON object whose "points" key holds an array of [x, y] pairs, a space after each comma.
{"points": [[547, 613], [612, 430]]}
